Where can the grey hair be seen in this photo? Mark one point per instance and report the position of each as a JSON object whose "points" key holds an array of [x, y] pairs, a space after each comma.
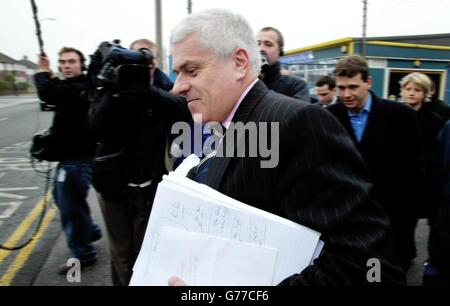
{"points": [[221, 31]]}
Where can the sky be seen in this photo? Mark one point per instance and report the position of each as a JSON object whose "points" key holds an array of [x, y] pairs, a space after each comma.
{"points": [[84, 24]]}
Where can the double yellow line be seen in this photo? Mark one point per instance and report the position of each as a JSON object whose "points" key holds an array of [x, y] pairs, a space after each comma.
{"points": [[20, 260]]}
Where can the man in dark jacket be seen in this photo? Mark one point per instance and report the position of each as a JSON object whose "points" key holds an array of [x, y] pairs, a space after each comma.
{"points": [[387, 136], [271, 41], [75, 150], [326, 91], [138, 137], [319, 179], [437, 270]]}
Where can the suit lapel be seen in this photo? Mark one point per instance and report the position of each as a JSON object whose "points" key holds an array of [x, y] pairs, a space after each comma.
{"points": [[372, 120], [219, 165], [345, 120]]}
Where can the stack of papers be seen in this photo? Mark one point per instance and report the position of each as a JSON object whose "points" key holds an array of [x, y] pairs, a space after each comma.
{"points": [[207, 238]]}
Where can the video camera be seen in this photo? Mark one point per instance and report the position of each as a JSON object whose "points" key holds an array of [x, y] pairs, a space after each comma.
{"points": [[118, 77], [115, 67], [119, 83]]}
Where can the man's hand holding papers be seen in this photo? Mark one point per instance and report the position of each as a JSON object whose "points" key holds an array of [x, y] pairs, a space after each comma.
{"points": [[206, 238]]}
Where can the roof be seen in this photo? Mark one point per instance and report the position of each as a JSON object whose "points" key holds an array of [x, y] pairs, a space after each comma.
{"points": [[428, 39], [5, 59], [27, 63]]}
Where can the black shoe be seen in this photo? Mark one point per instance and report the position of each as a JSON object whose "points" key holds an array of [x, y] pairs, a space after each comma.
{"points": [[96, 235], [432, 277], [64, 268]]}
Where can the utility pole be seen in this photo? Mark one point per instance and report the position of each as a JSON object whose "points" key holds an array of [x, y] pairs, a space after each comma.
{"points": [[159, 42], [364, 29], [189, 6]]}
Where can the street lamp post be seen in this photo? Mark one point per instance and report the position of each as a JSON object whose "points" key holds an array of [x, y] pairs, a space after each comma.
{"points": [[189, 6], [364, 29], [159, 43]]}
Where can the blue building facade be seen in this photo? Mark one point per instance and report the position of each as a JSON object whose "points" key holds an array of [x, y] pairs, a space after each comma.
{"points": [[390, 58]]}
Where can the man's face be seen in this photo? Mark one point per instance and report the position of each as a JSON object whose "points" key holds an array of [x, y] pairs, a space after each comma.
{"points": [[70, 64], [325, 94], [353, 91], [209, 83], [152, 65], [268, 42]]}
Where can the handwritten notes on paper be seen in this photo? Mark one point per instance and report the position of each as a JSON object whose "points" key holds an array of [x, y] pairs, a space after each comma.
{"points": [[192, 225], [201, 259]]}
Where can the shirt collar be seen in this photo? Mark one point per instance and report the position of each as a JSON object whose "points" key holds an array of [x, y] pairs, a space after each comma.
{"points": [[367, 106], [226, 123], [335, 100]]}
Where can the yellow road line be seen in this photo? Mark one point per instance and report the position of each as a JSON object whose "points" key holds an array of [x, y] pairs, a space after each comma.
{"points": [[25, 253], [23, 227]]}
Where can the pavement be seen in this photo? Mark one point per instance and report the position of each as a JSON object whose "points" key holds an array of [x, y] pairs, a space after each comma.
{"points": [[98, 274]]}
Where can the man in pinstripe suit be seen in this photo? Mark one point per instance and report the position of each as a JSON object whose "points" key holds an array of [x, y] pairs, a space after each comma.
{"points": [[319, 180]]}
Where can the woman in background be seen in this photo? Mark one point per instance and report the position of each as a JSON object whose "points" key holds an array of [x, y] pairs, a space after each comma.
{"points": [[416, 91]]}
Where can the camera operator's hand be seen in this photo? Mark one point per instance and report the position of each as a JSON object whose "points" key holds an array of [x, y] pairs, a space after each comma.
{"points": [[44, 64], [95, 65], [152, 67]]}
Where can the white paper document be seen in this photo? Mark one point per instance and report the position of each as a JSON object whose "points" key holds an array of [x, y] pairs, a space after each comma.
{"points": [[208, 238], [188, 163], [203, 260]]}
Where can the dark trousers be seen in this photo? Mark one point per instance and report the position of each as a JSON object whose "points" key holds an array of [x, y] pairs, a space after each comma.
{"points": [[126, 221], [71, 187], [438, 271], [405, 245]]}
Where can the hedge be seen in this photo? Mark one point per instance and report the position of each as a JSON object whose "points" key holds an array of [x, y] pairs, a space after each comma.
{"points": [[4, 85]]}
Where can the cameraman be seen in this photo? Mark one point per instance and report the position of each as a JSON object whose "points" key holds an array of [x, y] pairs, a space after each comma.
{"points": [[126, 206], [271, 42], [75, 149], [157, 77]]}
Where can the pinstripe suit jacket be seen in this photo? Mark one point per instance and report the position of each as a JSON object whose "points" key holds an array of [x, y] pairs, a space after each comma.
{"points": [[319, 183]]}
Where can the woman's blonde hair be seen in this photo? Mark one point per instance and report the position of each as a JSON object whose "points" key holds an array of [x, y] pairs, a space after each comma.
{"points": [[421, 80]]}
